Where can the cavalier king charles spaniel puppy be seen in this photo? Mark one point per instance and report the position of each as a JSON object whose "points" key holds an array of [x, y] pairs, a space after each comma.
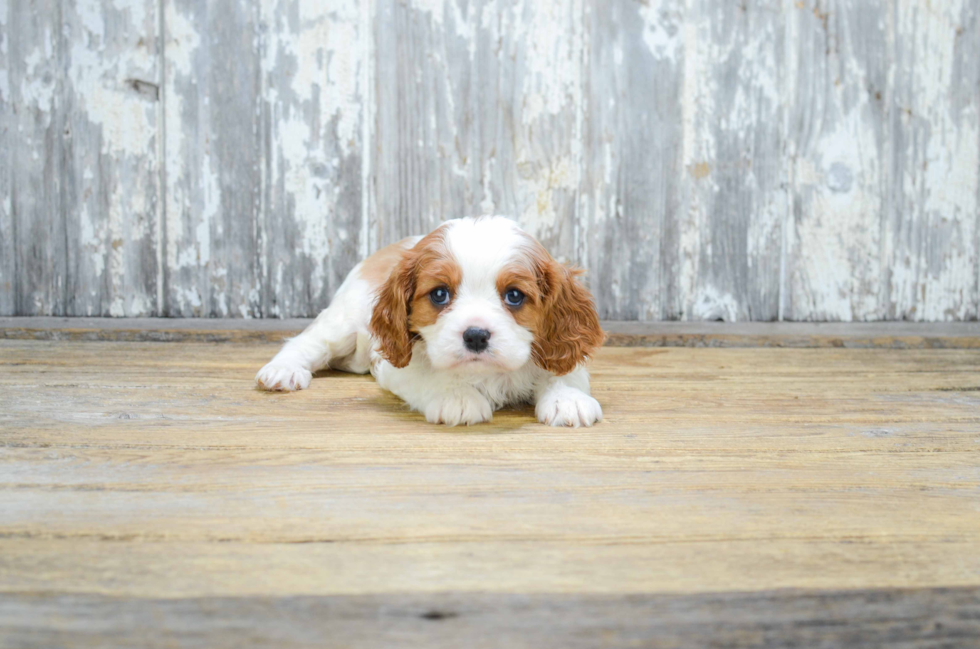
{"points": [[459, 323]]}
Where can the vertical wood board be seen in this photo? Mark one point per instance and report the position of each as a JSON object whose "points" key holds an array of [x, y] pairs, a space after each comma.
{"points": [[310, 231], [213, 158], [479, 112], [34, 161], [724, 243], [632, 143], [930, 230], [110, 195]]}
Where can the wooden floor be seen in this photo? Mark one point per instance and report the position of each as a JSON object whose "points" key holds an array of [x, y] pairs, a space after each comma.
{"points": [[149, 496]]}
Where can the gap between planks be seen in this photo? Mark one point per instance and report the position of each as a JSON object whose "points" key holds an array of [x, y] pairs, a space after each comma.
{"points": [[864, 335]]}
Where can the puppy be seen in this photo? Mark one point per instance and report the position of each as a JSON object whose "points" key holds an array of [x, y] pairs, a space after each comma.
{"points": [[459, 323]]}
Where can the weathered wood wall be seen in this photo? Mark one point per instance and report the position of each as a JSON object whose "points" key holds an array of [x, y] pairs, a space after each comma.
{"points": [[703, 159]]}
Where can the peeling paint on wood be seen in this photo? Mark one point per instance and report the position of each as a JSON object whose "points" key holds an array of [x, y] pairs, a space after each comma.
{"points": [[36, 276], [837, 140], [702, 159], [633, 140], [213, 157], [312, 60], [931, 228], [479, 112], [8, 247], [111, 192], [730, 231], [884, 137], [768, 497], [81, 176]]}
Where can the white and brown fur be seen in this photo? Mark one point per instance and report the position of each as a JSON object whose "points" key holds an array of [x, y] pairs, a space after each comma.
{"points": [[382, 320]]}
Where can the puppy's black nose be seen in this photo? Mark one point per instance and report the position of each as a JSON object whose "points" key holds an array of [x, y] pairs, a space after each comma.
{"points": [[476, 339]]}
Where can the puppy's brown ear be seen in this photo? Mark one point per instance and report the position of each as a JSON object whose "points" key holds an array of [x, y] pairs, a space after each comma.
{"points": [[389, 320], [569, 332]]}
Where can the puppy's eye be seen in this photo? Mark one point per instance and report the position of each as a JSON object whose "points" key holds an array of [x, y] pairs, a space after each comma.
{"points": [[439, 296], [513, 297]]}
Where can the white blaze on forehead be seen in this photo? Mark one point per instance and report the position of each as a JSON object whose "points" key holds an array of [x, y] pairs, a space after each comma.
{"points": [[482, 247]]}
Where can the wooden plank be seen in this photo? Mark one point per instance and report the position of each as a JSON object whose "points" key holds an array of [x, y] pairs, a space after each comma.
{"points": [[111, 194], [893, 335], [81, 198], [885, 173], [633, 142], [8, 245], [724, 242], [478, 111], [34, 161], [264, 154], [213, 159], [690, 94], [210, 330], [930, 245], [880, 335], [155, 482], [797, 468], [312, 110], [838, 141], [845, 619]]}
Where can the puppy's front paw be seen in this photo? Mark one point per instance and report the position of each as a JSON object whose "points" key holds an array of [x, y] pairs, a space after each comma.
{"points": [[283, 378], [568, 407], [459, 408]]}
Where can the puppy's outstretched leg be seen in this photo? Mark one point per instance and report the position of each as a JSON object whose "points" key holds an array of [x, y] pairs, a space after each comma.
{"points": [[565, 401], [339, 338], [333, 335]]}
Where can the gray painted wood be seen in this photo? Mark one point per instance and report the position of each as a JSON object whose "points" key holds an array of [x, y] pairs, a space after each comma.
{"points": [[81, 190], [931, 226], [724, 242], [213, 158], [838, 152], [313, 68], [110, 193], [263, 155], [905, 619], [634, 145], [884, 156], [34, 161], [8, 248], [479, 112], [763, 160], [851, 335]]}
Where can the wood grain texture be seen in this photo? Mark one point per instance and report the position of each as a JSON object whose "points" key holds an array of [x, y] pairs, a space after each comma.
{"points": [[901, 619], [111, 194], [885, 172], [133, 473], [726, 243], [479, 111], [8, 245], [36, 275], [263, 151], [813, 160], [213, 158], [933, 222], [81, 189], [312, 60], [862, 335], [837, 139], [715, 470], [633, 145]]}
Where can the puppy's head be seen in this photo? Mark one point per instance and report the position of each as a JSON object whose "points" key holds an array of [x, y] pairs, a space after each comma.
{"points": [[484, 296]]}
